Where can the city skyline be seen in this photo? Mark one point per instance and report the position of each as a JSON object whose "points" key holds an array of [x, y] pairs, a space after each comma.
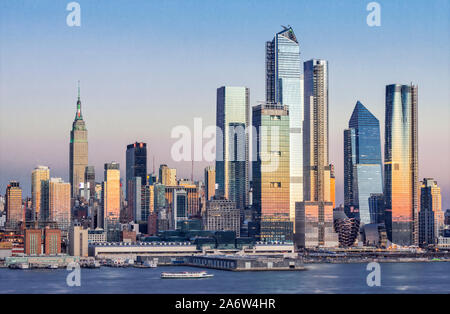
{"points": [[51, 149]]}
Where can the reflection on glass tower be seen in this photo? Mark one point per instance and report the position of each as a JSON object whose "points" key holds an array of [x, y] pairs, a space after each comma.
{"points": [[271, 172], [362, 162], [314, 216], [232, 144], [401, 164], [284, 85]]}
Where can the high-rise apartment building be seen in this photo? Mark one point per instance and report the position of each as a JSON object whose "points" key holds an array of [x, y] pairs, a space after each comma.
{"points": [[15, 213], [314, 216], [431, 216], [362, 161], [59, 203], [111, 193], [271, 178], [284, 85], [210, 182], [232, 140], [401, 187], [78, 155], [39, 174], [167, 176]]}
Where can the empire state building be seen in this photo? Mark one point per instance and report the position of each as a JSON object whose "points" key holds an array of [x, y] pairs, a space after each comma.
{"points": [[78, 159]]}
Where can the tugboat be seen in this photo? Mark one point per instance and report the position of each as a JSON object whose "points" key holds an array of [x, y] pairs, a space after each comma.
{"points": [[186, 275], [52, 266]]}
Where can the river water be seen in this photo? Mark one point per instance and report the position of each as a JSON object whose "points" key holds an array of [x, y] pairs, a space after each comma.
{"points": [[431, 277]]}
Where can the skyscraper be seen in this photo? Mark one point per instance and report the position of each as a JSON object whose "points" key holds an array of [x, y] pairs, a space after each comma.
{"points": [[78, 155], [59, 203], [210, 182], [167, 176], [431, 216], [111, 193], [271, 172], [427, 226], [284, 85], [39, 173], [15, 213], [136, 162], [401, 187], [362, 161], [314, 216], [89, 180], [232, 123]]}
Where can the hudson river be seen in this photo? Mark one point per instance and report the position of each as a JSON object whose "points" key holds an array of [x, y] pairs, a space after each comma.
{"points": [[431, 277]]}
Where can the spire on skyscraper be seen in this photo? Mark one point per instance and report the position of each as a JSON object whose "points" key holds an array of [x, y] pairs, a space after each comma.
{"points": [[79, 116]]}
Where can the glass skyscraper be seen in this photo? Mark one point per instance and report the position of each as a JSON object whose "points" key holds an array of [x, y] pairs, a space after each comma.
{"points": [[362, 161], [314, 216], [232, 155], [401, 187], [271, 172], [284, 85], [136, 162]]}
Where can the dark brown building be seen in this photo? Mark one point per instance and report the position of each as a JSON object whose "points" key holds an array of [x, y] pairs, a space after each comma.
{"points": [[33, 241], [52, 241]]}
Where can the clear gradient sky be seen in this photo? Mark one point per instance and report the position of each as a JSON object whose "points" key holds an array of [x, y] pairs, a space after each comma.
{"points": [[147, 66]]}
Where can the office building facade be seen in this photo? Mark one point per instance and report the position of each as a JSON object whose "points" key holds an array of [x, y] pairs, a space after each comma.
{"points": [[362, 161], [284, 85], [232, 140], [401, 187], [271, 179]]}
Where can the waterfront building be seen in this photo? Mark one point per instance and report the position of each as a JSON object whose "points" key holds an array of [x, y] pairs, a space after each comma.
{"points": [[78, 241], [232, 140], [78, 150], [39, 174], [222, 215], [97, 235], [362, 161], [15, 213], [271, 179], [52, 240], [33, 242], [431, 216], [210, 182], [167, 176], [284, 85], [314, 215], [401, 187]]}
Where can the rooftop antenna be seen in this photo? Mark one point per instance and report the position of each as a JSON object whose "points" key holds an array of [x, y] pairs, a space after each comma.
{"points": [[78, 89], [192, 171]]}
